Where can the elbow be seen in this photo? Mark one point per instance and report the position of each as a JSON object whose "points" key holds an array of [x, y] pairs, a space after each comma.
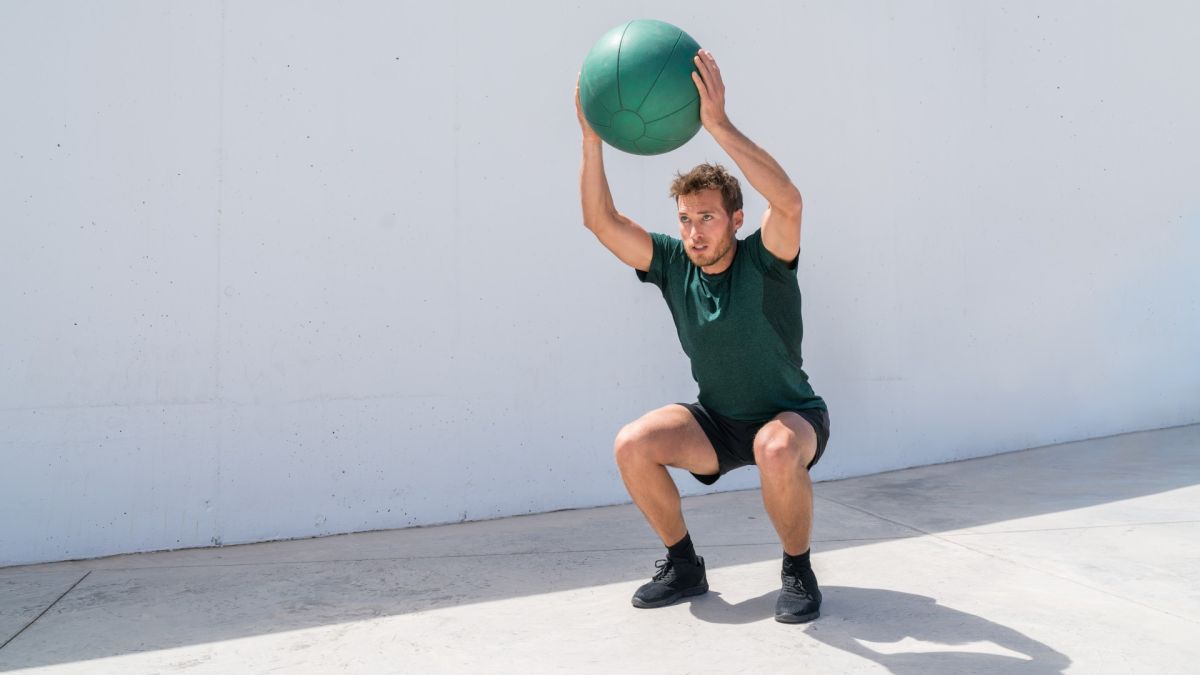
{"points": [[590, 221], [589, 216]]}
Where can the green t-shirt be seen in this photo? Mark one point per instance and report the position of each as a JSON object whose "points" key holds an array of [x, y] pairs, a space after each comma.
{"points": [[740, 328]]}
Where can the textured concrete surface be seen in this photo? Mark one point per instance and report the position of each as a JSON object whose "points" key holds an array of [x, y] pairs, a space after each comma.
{"points": [[277, 268], [1081, 557]]}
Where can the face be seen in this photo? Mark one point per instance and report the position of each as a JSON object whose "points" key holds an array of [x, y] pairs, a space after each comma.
{"points": [[707, 230]]}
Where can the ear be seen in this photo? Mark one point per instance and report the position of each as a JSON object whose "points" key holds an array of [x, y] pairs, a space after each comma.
{"points": [[738, 217]]}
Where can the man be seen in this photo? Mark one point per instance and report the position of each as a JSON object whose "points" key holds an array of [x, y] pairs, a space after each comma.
{"points": [[736, 306]]}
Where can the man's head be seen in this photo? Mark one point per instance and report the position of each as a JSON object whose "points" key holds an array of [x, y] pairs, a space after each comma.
{"points": [[709, 202]]}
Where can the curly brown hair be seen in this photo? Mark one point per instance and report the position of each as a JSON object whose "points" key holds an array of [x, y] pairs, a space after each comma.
{"points": [[709, 177]]}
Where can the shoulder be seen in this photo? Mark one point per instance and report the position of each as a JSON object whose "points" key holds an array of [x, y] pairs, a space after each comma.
{"points": [[763, 258], [670, 248], [667, 254], [665, 240]]}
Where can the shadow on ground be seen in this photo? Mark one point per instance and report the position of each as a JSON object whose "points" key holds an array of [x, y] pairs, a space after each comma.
{"points": [[887, 617], [901, 621], [245, 591]]}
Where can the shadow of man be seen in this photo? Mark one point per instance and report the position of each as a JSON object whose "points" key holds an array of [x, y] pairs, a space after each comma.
{"points": [[903, 632]]}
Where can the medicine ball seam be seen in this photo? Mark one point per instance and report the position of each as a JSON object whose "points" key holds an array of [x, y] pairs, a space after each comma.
{"points": [[621, 46], [609, 73], [673, 111], [599, 102], [666, 62], [586, 93]]}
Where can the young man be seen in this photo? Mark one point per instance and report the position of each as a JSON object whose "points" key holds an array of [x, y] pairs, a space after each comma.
{"points": [[736, 306]]}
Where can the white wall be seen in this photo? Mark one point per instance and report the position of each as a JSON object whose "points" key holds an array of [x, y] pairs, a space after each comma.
{"points": [[283, 269]]}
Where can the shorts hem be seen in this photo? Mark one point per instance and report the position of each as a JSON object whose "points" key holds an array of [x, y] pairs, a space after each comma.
{"points": [[728, 437]]}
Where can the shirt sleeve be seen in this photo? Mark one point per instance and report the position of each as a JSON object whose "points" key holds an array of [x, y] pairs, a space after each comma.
{"points": [[666, 254], [766, 261]]}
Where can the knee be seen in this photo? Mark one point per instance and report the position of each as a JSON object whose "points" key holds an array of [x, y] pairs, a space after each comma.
{"points": [[777, 451], [630, 444]]}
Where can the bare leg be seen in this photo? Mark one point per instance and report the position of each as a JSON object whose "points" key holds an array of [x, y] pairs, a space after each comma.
{"points": [[645, 448], [782, 449]]}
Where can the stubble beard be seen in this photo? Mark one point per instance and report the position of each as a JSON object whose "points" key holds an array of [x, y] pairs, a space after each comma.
{"points": [[712, 257]]}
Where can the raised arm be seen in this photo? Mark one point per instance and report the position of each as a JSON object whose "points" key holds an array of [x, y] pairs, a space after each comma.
{"points": [[625, 238], [781, 222]]}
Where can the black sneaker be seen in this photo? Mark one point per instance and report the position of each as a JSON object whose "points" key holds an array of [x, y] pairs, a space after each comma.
{"points": [[675, 579], [800, 599]]}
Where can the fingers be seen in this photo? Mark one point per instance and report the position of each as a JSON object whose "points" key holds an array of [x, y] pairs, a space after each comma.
{"points": [[588, 132], [707, 78], [707, 65], [701, 67], [700, 86]]}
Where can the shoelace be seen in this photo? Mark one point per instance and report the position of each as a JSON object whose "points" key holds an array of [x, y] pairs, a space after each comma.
{"points": [[665, 567], [793, 581]]}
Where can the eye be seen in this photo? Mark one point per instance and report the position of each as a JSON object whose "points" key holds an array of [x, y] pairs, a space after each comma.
{"points": [[683, 219], [707, 217]]}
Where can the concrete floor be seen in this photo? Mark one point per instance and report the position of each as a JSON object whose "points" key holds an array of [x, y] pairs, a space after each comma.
{"points": [[1082, 557]]}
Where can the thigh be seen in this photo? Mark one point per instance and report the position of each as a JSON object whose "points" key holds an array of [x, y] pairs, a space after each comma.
{"points": [[672, 437]]}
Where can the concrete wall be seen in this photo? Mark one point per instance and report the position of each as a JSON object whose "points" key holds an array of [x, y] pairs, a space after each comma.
{"points": [[278, 269]]}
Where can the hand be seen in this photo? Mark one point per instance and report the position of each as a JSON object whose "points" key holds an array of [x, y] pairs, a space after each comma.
{"points": [[588, 133], [712, 90]]}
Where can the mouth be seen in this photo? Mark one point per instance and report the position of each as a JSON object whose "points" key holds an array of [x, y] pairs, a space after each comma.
{"points": [[699, 249]]}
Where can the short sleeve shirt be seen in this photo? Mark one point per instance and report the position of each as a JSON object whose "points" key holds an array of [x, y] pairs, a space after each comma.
{"points": [[741, 328]]}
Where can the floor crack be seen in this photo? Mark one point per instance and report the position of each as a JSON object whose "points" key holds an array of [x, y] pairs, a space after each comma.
{"points": [[48, 608]]}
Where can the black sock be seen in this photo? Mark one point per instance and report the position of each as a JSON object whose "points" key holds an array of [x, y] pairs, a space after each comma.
{"points": [[798, 561], [682, 549]]}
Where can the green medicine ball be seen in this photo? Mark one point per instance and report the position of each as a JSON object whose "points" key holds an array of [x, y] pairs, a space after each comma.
{"points": [[636, 87]]}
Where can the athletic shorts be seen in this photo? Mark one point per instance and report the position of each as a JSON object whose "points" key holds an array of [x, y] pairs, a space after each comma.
{"points": [[734, 439]]}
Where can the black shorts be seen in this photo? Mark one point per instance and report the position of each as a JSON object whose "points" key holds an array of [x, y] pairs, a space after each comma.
{"points": [[734, 439]]}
